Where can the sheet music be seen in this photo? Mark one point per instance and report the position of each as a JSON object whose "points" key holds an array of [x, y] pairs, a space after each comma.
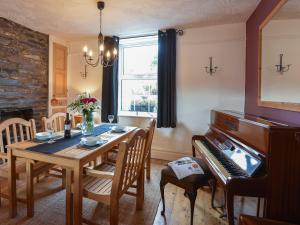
{"points": [[184, 167]]}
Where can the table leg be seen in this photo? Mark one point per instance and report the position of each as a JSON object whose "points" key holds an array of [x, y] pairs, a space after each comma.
{"points": [[12, 194], [29, 189], [69, 197], [77, 195]]}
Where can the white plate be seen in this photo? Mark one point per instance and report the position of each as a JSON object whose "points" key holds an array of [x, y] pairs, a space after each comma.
{"points": [[43, 136], [118, 129]]}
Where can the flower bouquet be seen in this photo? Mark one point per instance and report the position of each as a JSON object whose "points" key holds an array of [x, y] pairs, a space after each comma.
{"points": [[86, 105]]}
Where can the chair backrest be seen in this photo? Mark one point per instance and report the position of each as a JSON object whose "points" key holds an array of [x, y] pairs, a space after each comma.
{"points": [[15, 130], [57, 121], [151, 129], [130, 161]]}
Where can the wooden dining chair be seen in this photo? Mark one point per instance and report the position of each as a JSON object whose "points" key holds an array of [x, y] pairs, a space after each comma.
{"points": [[111, 156], [57, 121], [12, 131], [108, 187], [151, 129]]}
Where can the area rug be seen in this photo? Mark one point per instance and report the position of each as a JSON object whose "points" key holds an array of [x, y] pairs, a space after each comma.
{"points": [[50, 210]]}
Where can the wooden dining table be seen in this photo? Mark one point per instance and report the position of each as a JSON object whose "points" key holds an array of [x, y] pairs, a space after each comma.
{"points": [[72, 159]]}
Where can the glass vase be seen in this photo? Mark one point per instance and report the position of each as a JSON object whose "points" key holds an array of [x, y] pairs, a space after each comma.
{"points": [[87, 127]]}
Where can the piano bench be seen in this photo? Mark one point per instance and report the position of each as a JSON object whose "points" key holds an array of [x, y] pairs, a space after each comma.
{"points": [[251, 220], [190, 184]]}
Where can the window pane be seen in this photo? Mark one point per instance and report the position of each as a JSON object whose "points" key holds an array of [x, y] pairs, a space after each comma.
{"points": [[140, 60], [139, 95]]}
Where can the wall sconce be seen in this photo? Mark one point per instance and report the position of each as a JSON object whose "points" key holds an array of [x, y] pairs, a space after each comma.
{"points": [[84, 74], [211, 69], [280, 68]]}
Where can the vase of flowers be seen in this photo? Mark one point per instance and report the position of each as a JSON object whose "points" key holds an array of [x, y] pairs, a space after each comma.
{"points": [[86, 105]]}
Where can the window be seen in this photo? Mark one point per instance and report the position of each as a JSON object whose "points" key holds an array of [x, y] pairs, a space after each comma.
{"points": [[138, 76]]}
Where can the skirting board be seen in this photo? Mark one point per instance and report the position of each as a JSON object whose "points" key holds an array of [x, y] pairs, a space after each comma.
{"points": [[164, 154]]}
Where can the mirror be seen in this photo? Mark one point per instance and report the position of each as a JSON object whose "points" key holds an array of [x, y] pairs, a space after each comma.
{"points": [[280, 57]]}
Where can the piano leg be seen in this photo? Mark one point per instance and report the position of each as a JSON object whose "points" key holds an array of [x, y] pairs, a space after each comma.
{"points": [[192, 195], [213, 186], [162, 193], [194, 151], [230, 207]]}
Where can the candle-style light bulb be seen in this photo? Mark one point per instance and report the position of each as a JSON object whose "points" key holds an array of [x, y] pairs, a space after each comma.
{"points": [[90, 53], [101, 48], [108, 54], [115, 52], [85, 49]]}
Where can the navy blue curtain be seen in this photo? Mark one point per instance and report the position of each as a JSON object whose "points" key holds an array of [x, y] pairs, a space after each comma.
{"points": [[109, 104], [166, 110]]}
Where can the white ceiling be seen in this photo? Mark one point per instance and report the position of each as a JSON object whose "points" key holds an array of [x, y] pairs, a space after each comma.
{"points": [[290, 10], [75, 19]]}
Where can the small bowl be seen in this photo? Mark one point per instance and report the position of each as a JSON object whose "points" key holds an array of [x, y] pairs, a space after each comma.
{"points": [[90, 141]]}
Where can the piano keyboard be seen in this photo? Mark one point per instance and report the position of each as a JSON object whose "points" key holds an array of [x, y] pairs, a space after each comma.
{"points": [[224, 167]]}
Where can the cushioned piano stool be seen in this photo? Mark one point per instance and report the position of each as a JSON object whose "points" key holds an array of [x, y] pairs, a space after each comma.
{"points": [[190, 184]]}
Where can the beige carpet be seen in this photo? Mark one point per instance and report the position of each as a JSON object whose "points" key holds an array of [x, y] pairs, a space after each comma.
{"points": [[50, 210]]}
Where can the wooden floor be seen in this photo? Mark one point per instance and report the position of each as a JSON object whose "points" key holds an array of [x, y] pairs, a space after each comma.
{"points": [[50, 209]]}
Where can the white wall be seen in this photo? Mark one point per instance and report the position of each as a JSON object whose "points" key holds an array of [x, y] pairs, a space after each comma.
{"points": [[76, 84], [281, 37], [197, 92]]}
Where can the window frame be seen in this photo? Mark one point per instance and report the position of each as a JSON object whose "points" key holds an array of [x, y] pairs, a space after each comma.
{"points": [[130, 43]]}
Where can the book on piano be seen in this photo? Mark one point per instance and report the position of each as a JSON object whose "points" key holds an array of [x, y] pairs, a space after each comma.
{"points": [[185, 167]]}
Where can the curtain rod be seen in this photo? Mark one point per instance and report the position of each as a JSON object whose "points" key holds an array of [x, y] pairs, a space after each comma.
{"points": [[179, 32]]}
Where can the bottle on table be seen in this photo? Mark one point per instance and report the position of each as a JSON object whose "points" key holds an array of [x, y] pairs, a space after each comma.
{"points": [[67, 126]]}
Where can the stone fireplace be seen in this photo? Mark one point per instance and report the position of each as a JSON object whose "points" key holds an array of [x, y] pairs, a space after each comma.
{"points": [[23, 72]]}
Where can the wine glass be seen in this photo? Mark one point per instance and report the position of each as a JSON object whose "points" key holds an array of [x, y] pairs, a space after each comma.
{"points": [[110, 118], [50, 129]]}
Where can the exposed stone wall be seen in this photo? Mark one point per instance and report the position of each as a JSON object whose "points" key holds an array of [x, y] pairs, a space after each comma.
{"points": [[23, 69]]}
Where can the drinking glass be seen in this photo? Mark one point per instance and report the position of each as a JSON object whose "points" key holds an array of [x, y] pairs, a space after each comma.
{"points": [[110, 118]]}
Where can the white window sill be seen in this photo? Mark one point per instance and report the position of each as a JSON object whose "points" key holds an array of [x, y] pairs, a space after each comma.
{"points": [[137, 114]]}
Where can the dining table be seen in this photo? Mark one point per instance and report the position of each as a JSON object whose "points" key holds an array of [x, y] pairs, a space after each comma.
{"points": [[68, 154]]}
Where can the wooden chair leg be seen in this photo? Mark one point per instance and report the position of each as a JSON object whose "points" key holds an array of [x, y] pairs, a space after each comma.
{"points": [[148, 166], [140, 192], [192, 196], [30, 183], [114, 212], [63, 178], [162, 193], [0, 195]]}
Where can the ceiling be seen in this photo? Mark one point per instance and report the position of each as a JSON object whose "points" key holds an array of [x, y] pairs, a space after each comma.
{"points": [[290, 10], [76, 19]]}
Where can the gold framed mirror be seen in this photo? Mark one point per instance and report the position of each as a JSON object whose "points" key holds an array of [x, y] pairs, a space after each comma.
{"points": [[279, 57]]}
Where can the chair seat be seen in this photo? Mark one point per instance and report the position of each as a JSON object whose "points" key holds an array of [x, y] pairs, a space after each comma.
{"points": [[21, 167], [194, 181]]}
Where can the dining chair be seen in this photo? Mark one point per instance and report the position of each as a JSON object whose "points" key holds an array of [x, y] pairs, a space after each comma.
{"points": [[12, 131], [108, 187], [111, 156], [56, 121]]}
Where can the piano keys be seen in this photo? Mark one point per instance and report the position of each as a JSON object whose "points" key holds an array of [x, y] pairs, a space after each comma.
{"points": [[244, 153]]}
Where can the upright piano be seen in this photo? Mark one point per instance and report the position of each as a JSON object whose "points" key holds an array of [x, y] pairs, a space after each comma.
{"points": [[254, 157]]}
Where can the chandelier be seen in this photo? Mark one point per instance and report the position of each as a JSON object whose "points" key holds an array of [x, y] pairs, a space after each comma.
{"points": [[106, 55]]}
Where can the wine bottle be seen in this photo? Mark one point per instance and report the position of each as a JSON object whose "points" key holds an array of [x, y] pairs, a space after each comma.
{"points": [[67, 126]]}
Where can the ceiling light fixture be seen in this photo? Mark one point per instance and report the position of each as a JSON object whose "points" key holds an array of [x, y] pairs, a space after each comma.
{"points": [[106, 55]]}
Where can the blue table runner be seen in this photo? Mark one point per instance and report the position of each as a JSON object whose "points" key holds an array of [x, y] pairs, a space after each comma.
{"points": [[61, 144]]}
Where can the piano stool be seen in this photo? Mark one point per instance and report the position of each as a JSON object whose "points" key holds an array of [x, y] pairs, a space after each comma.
{"points": [[251, 220], [190, 184]]}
